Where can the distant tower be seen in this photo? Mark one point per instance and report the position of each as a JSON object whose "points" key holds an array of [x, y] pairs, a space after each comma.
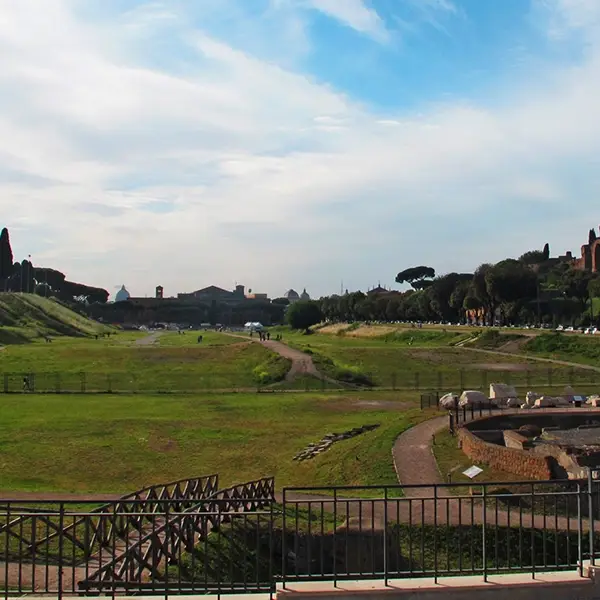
{"points": [[159, 291]]}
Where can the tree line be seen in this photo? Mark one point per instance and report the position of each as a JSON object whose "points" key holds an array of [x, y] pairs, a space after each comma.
{"points": [[533, 289], [25, 277]]}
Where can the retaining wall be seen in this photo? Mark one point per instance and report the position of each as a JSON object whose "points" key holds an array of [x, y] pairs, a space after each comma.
{"points": [[520, 462]]}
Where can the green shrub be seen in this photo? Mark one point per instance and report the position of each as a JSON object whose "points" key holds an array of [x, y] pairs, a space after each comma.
{"points": [[274, 369]]}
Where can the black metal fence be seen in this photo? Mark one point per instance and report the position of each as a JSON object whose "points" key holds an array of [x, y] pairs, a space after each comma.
{"points": [[176, 381], [242, 540]]}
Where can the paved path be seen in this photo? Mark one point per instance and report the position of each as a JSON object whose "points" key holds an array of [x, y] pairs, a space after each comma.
{"points": [[413, 456]]}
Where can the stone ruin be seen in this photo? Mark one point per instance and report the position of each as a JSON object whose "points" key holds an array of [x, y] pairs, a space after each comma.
{"points": [[505, 396], [328, 440]]}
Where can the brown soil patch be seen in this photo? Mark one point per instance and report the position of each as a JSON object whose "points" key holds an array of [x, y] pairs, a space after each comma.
{"points": [[333, 329], [371, 331], [357, 405], [158, 443], [502, 366]]}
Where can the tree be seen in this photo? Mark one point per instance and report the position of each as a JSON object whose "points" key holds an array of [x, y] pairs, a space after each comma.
{"points": [[546, 251], [303, 314], [509, 284], [416, 276], [533, 257], [592, 236], [6, 255]]}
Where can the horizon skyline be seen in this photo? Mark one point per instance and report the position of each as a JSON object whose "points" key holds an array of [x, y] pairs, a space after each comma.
{"points": [[176, 141]]}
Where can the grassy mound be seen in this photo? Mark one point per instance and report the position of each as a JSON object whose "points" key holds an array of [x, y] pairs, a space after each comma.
{"points": [[25, 317], [491, 339], [581, 349]]}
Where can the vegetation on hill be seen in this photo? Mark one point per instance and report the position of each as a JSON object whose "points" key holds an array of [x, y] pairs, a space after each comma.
{"points": [[531, 289], [26, 278], [25, 317], [581, 349]]}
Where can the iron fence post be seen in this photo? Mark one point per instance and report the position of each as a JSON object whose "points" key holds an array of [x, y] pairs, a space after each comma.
{"points": [[484, 533], [435, 554], [579, 531], [284, 541], [591, 515], [385, 539], [61, 526]]}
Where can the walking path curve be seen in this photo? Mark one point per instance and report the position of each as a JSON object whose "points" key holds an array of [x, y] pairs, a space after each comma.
{"points": [[302, 363]]}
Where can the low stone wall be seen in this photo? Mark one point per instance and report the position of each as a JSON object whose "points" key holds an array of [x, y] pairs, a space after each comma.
{"points": [[520, 462]]}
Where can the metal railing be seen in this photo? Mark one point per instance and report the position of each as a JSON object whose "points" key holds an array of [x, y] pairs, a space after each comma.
{"points": [[242, 540], [439, 530], [181, 382]]}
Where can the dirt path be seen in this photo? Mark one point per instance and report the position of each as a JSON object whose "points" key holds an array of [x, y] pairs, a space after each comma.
{"points": [[302, 363], [150, 339]]}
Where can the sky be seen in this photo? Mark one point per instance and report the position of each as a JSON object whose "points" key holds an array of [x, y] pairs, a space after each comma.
{"points": [[295, 143]]}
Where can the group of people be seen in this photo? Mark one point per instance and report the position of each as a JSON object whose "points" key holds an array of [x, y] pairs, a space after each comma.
{"points": [[265, 336]]}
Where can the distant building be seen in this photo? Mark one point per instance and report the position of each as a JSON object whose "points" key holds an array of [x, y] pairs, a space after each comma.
{"points": [[159, 291], [292, 295], [122, 295], [304, 295]]}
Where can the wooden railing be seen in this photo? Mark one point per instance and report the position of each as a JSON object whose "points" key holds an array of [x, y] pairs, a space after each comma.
{"points": [[173, 532]]}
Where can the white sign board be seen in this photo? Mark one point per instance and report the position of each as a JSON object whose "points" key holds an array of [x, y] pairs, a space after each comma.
{"points": [[472, 472]]}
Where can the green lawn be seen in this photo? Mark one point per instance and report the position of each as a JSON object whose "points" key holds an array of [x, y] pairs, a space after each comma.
{"points": [[190, 338], [106, 443], [576, 348], [120, 363], [429, 362], [26, 317]]}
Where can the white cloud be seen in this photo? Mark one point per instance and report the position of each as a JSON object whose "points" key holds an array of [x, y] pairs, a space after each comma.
{"points": [[238, 169], [355, 14]]}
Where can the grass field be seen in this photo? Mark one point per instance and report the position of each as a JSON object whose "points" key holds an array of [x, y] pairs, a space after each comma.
{"points": [[428, 358], [26, 317], [120, 443], [171, 363]]}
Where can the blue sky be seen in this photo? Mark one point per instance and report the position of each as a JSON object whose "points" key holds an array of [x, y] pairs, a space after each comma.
{"points": [[295, 143]]}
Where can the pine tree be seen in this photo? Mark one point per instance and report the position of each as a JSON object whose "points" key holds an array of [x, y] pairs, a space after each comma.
{"points": [[546, 251], [6, 255], [592, 236]]}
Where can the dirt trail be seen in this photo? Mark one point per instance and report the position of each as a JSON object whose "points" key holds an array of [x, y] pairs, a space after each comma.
{"points": [[150, 339], [302, 363]]}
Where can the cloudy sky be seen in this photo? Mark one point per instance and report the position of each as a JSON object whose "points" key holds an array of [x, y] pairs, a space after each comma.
{"points": [[295, 143]]}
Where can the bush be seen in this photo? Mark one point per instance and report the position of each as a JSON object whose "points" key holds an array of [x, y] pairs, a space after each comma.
{"points": [[341, 372], [271, 371]]}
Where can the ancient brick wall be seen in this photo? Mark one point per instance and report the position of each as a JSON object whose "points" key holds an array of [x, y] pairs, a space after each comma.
{"points": [[520, 462]]}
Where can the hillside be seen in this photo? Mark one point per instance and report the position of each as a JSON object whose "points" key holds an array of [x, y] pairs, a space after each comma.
{"points": [[24, 317]]}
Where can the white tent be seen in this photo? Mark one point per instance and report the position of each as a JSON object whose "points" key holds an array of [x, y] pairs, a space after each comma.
{"points": [[256, 326]]}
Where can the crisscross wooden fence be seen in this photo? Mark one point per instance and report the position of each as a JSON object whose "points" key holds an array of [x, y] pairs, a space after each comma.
{"points": [[108, 522], [174, 532]]}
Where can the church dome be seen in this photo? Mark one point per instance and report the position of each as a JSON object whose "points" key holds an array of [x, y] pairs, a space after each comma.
{"points": [[291, 295], [304, 295], [122, 295]]}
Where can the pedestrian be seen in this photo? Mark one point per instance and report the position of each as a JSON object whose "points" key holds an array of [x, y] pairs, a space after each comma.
{"points": [[268, 336]]}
